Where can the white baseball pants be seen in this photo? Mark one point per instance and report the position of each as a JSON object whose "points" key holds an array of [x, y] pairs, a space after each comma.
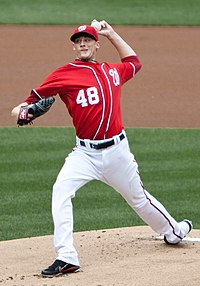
{"points": [[116, 167]]}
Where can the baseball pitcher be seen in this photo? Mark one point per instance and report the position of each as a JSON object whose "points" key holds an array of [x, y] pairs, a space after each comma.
{"points": [[91, 92]]}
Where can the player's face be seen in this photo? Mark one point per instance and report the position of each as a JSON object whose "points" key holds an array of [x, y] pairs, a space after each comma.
{"points": [[86, 47]]}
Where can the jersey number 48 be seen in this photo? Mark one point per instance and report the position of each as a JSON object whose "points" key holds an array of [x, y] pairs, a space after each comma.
{"points": [[90, 96]]}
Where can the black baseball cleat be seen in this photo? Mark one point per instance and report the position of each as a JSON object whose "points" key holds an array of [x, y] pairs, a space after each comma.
{"points": [[189, 224], [59, 267]]}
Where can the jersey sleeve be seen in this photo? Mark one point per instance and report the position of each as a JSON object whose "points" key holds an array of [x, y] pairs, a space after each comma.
{"points": [[128, 67], [134, 61], [51, 86]]}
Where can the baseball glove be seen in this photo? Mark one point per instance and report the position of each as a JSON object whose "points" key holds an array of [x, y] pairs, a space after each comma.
{"points": [[36, 109]]}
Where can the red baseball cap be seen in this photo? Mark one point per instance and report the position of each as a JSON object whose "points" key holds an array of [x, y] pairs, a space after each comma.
{"points": [[84, 29]]}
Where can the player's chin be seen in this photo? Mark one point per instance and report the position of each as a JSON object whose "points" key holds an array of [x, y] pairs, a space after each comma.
{"points": [[85, 56]]}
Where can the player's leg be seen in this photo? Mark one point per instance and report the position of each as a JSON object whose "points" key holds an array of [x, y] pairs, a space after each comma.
{"points": [[76, 171], [121, 172]]}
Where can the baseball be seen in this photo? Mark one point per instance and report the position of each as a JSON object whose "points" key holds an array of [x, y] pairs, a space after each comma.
{"points": [[96, 25]]}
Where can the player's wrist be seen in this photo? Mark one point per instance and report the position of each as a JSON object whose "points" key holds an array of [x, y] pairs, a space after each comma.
{"points": [[15, 111], [112, 35]]}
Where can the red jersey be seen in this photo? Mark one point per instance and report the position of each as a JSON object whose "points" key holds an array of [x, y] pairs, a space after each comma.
{"points": [[91, 92]]}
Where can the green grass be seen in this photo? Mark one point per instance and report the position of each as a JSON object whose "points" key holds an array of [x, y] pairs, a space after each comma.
{"points": [[31, 158], [128, 12]]}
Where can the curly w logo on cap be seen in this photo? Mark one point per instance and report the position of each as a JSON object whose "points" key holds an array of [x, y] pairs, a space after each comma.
{"points": [[82, 28], [85, 29]]}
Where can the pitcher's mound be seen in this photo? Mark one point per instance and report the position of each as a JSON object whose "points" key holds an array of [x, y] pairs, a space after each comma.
{"points": [[124, 256]]}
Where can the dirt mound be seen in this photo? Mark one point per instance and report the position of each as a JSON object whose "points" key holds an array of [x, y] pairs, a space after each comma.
{"points": [[124, 257]]}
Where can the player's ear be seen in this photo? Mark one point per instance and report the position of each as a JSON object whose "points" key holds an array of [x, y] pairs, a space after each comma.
{"points": [[74, 47], [97, 44]]}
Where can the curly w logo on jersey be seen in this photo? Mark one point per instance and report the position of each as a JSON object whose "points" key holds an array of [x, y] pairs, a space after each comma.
{"points": [[115, 76]]}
